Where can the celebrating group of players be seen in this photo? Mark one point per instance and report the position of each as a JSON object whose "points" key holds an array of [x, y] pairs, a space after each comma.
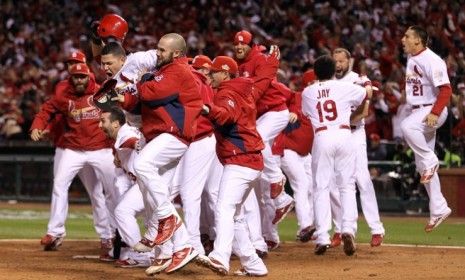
{"points": [[219, 134]]}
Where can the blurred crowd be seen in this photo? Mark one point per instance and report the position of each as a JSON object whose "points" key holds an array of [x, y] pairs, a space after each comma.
{"points": [[36, 36]]}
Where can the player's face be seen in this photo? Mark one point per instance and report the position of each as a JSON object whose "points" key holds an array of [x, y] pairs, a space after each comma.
{"points": [[111, 64], [410, 42], [165, 52], [241, 50], [106, 125], [79, 82], [217, 78], [342, 64]]}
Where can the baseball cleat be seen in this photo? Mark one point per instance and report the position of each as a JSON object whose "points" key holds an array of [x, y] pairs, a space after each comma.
{"points": [[376, 240], [336, 240], [271, 245], [166, 228], [181, 258], [320, 249], [306, 234], [434, 222], [243, 272], [158, 265], [51, 243], [106, 245], [261, 254], [213, 264], [349, 244], [144, 245], [281, 213]]}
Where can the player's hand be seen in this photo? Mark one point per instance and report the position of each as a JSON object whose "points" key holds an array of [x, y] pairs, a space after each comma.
{"points": [[205, 110], [292, 117], [431, 120], [274, 52], [36, 134], [94, 33], [118, 97]]}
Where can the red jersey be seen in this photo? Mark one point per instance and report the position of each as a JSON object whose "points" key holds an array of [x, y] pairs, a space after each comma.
{"points": [[171, 102], [81, 118], [204, 125], [262, 68], [234, 115], [297, 136]]}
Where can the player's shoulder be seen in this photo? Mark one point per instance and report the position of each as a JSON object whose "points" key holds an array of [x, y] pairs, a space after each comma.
{"points": [[428, 57]]}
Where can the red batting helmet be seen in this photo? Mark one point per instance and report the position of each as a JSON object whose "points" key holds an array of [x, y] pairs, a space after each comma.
{"points": [[113, 25]]}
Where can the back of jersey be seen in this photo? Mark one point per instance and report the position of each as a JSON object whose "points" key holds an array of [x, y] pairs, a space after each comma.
{"points": [[328, 103]]}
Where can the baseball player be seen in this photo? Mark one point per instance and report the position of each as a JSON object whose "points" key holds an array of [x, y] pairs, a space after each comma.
{"points": [[128, 140], [362, 174], [327, 103], [293, 145], [83, 145], [239, 149], [196, 163], [170, 106], [56, 129], [272, 118], [428, 91]]}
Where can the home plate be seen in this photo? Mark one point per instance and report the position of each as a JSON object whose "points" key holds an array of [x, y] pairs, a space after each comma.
{"points": [[85, 257]]}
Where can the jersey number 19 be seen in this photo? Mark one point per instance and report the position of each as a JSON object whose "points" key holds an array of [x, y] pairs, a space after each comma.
{"points": [[327, 110]]}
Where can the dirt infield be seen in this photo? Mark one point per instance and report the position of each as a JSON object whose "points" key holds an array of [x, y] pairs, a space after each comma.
{"points": [[26, 260]]}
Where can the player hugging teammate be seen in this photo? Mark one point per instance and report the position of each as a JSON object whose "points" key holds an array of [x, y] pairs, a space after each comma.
{"points": [[219, 134]]}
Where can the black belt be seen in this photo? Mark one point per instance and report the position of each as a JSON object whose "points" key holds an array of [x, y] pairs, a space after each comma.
{"points": [[421, 105]]}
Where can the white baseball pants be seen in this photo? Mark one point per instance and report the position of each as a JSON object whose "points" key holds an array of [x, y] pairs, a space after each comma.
{"points": [[70, 163], [229, 218], [422, 139], [333, 155], [298, 170]]}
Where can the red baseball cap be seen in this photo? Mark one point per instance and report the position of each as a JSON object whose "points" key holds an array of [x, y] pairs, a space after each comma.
{"points": [[243, 36], [77, 56], [79, 68], [201, 61], [308, 77], [224, 63]]}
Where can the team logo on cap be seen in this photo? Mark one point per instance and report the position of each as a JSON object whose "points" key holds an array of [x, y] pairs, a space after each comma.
{"points": [[241, 38], [74, 54], [78, 67], [225, 67], [231, 103]]}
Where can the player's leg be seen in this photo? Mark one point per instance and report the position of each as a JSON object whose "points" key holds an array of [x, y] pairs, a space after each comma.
{"points": [[364, 183], [345, 178], [252, 219], [293, 166], [252, 264], [234, 189], [195, 170], [70, 162], [322, 169], [160, 152], [97, 199], [336, 212]]}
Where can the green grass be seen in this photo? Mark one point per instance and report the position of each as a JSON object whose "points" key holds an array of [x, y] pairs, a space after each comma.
{"points": [[399, 230]]}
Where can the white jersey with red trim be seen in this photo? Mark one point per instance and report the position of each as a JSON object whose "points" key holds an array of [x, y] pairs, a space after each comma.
{"points": [[329, 103], [129, 141], [136, 65], [425, 72], [361, 80]]}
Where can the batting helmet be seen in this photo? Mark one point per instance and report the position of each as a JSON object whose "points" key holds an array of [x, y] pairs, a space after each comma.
{"points": [[113, 25]]}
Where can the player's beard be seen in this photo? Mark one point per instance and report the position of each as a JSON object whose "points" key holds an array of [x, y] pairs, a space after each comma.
{"points": [[164, 61], [342, 73], [80, 88]]}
